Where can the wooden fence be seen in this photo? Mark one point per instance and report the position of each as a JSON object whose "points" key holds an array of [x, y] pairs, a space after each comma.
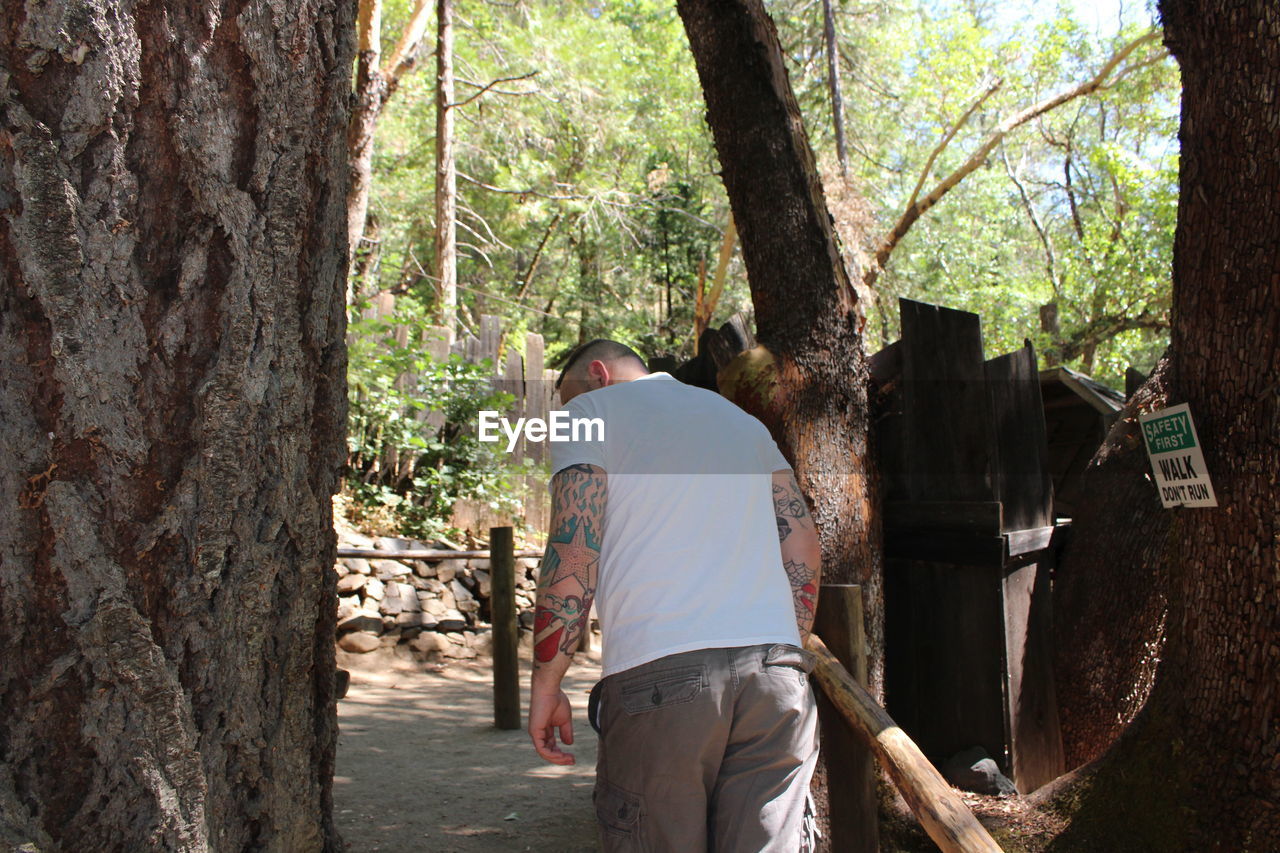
{"points": [[520, 374]]}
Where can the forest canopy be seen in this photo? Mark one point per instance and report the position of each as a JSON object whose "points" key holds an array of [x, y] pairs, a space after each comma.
{"points": [[589, 202]]}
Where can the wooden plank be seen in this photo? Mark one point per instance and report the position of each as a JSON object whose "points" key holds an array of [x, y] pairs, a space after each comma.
{"points": [[512, 382], [490, 338], [850, 764], [980, 517], [948, 441], [945, 547], [944, 655], [424, 554], [1035, 737], [1022, 482], [502, 601], [1028, 541], [942, 813]]}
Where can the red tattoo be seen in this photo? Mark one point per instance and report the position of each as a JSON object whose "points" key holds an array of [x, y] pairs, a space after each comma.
{"points": [[547, 631]]}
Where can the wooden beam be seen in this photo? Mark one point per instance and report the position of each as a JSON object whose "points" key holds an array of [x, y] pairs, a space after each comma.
{"points": [[851, 780], [424, 554], [506, 634], [940, 810]]}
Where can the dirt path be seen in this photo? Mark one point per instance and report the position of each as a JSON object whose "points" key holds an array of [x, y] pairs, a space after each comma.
{"points": [[420, 766]]}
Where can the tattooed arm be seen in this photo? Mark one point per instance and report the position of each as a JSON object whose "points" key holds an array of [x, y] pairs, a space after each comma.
{"points": [[566, 587], [801, 551]]}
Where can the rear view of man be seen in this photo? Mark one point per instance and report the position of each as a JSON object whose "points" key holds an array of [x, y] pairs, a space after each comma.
{"points": [[685, 525]]}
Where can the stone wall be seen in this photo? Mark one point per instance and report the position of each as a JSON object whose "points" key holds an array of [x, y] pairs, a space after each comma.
{"points": [[439, 608]]}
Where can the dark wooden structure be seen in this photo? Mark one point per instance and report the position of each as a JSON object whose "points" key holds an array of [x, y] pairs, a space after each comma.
{"points": [[1078, 413], [969, 545]]}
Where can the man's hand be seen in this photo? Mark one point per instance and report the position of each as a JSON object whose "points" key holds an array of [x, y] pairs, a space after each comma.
{"points": [[548, 712]]}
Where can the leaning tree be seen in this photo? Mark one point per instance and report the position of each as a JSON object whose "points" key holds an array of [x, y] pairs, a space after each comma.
{"points": [[1199, 768], [172, 406]]}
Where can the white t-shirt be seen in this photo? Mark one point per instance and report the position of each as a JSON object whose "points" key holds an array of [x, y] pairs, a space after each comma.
{"points": [[690, 557]]}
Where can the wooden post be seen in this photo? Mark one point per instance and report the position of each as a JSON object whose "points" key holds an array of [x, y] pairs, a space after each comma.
{"points": [[506, 665], [941, 811], [851, 780]]}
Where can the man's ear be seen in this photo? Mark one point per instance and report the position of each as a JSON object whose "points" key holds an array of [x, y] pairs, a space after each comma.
{"points": [[599, 371]]}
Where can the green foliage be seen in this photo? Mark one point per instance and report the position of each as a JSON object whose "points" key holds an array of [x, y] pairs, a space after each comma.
{"points": [[564, 159], [1017, 234], [412, 437], [603, 159]]}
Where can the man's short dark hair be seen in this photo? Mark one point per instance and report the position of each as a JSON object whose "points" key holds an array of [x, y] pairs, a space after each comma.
{"points": [[601, 349]]}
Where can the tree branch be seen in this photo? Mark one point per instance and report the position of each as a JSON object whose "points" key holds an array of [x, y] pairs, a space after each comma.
{"points": [[916, 208], [1050, 263], [950, 135], [401, 60], [490, 85]]}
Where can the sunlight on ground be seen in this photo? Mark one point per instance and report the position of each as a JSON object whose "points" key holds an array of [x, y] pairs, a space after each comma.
{"points": [[421, 767]]}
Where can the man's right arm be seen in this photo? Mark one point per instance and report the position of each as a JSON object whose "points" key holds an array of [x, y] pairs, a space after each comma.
{"points": [[801, 550]]}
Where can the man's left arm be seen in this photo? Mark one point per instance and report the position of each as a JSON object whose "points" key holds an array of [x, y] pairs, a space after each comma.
{"points": [[566, 588]]}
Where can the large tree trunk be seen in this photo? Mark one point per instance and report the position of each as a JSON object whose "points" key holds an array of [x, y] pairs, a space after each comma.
{"points": [[1109, 596], [808, 378], [1197, 770], [172, 263]]}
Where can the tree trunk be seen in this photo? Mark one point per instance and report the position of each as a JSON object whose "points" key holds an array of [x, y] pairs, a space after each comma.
{"points": [[1197, 770], [172, 265], [446, 268], [805, 304], [1109, 596], [833, 85], [808, 378], [366, 104]]}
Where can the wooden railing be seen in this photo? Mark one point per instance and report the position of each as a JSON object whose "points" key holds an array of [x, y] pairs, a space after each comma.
{"points": [[941, 812]]}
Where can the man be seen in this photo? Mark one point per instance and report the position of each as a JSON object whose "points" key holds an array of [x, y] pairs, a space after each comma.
{"points": [[690, 521]]}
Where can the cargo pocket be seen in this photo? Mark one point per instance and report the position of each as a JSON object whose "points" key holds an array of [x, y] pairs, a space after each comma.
{"points": [[650, 691], [618, 812]]}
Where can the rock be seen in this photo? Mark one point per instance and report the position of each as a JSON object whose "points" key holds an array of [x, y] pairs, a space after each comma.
{"points": [[433, 606], [423, 569], [460, 652], [447, 570], [478, 563], [417, 582], [460, 592], [358, 565], [448, 600], [351, 539], [388, 569], [429, 641], [341, 682], [408, 596], [340, 569], [452, 620], [396, 543], [484, 584], [973, 770], [482, 642], [361, 620], [434, 586], [391, 603], [373, 588], [469, 606], [359, 642], [351, 583], [416, 620], [526, 564], [347, 606], [526, 619]]}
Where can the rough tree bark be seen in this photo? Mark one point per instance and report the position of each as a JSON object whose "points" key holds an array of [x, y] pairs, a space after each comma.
{"points": [[172, 406], [1109, 594], [1197, 769]]}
